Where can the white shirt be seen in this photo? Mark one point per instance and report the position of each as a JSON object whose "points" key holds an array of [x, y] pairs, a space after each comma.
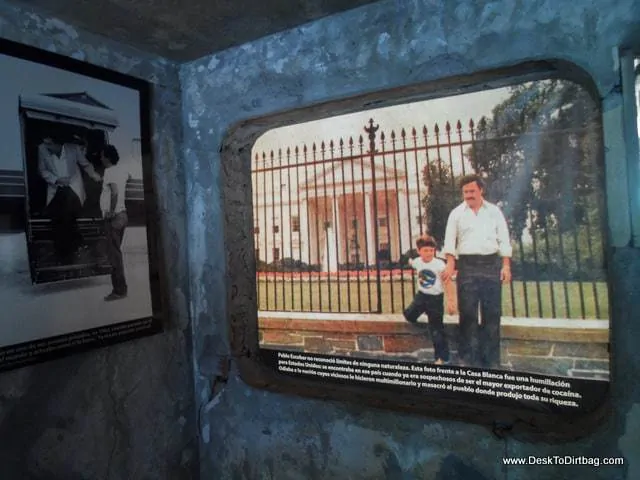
{"points": [[429, 280], [53, 167], [59, 164], [482, 233], [118, 175]]}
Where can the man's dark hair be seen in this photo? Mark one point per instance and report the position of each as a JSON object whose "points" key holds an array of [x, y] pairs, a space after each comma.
{"points": [[426, 241], [111, 153], [470, 179]]}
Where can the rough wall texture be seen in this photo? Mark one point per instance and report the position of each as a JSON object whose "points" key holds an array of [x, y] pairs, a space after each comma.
{"points": [[253, 434], [188, 33], [124, 412]]}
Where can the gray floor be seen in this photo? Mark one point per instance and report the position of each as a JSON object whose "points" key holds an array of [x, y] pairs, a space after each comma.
{"points": [[30, 312]]}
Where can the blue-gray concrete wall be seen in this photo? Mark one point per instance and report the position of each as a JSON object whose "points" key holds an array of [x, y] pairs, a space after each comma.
{"points": [[128, 412], [247, 433], [123, 412]]}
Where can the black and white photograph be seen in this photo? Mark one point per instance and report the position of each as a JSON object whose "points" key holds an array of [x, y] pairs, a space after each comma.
{"points": [[74, 251]]}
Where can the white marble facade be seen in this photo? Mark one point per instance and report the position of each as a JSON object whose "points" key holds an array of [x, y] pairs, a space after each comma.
{"points": [[323, 214]]}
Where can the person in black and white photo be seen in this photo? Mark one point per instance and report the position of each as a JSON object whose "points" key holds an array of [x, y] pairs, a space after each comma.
{"points": [[61, 252], [59, 165], [478, 246], [112, 203]]}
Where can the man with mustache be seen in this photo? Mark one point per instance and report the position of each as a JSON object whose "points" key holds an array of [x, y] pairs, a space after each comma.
{"points": [[478, 246]]}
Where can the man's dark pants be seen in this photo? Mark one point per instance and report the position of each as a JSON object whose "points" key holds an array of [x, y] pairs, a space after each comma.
{"points": [[114, 229], [478, 284], [64, 209], [433, 306]]}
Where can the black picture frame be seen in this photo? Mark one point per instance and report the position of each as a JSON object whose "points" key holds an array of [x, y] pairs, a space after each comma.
{"points": [[57, 306], [282, 370]]}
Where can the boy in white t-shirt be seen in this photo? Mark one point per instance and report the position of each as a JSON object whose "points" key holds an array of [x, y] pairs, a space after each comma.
{"points": [[429, 297]]}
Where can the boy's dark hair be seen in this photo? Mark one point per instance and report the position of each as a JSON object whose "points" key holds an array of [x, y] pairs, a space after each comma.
{"points": [[470, 179], [111, 153], [426, 241]]}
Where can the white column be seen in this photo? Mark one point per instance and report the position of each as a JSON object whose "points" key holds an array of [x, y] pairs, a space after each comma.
{"points": [[305, 252], [338, 231], [285, 228], [329, 243], [260, 238], [415, 210], [371, 241], [315, 246], [405, 221], [268, 246]]}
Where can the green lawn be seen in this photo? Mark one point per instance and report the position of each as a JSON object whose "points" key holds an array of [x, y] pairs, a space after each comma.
{"points": [[530, 299]]}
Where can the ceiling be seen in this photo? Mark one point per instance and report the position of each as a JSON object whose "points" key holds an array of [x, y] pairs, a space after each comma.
{"points": [[183, 30]]}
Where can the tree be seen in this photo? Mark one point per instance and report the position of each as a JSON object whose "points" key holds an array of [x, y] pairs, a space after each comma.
{"points": [[539, 153], [442, 196]]}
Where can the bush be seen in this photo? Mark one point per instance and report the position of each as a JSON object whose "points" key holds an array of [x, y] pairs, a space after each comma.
{"points": [[287, 265]]}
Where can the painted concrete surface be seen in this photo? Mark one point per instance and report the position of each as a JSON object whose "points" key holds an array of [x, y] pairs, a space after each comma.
{"points": [[248, 433], [187, 33], [126, 411]]}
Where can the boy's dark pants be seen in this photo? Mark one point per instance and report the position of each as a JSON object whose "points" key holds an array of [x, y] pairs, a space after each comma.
{"points": [[433, 306], [114, 228]]}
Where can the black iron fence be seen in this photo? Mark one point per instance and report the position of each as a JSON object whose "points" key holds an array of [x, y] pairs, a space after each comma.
{"points": [[335, 223]]}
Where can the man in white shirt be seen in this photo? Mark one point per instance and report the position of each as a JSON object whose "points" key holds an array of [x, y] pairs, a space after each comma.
{"points": [[112, 203], [478, 246], [58, 164]]}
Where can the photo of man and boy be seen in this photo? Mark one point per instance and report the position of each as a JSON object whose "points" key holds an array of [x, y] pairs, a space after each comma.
{"points": [[478, 252], [476, 245]]}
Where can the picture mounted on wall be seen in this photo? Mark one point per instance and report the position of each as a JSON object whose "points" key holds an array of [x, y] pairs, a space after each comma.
{"points": [[76, 250], [452, 247]]}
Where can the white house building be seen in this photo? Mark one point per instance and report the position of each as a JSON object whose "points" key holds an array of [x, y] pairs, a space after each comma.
{"points": [[323, 214]]}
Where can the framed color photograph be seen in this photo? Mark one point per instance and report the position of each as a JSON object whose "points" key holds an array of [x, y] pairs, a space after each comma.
{"points": [[75, 202], [452, 247]]}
